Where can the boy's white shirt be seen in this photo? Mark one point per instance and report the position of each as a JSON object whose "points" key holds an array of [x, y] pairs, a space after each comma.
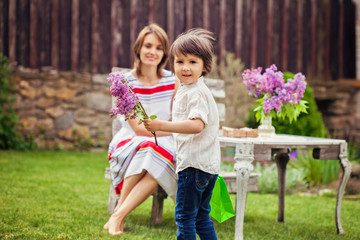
{"points": [[201, 150]]}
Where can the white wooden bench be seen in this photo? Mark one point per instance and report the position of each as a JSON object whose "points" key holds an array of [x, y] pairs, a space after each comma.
{"points": [[217, 88]]}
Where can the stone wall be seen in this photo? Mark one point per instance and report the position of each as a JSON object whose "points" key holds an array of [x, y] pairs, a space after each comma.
{"points": [[339, 103], [63, 109], [70, 110]]}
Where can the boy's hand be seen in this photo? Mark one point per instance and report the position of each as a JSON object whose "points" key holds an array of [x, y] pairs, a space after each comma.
{"points": [[152, 125]]}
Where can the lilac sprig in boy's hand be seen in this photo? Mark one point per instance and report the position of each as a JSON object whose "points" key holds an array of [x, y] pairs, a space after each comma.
{"points": [[127, 102]]}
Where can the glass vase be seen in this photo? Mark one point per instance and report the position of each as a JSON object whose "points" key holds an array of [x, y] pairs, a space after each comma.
{"points": [[266, 129]]}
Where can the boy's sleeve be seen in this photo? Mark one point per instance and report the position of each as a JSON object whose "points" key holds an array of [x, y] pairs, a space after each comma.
{"points": [[198, 108]]}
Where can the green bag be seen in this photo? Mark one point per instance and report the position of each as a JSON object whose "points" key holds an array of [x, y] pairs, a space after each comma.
{"points": [[220, 203]]}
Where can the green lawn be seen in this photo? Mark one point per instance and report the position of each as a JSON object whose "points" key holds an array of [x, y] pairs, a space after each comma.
{"points": [[63, 195]]}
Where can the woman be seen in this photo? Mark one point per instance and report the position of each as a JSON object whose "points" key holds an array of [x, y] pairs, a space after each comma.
{"points": [[137, 164]]}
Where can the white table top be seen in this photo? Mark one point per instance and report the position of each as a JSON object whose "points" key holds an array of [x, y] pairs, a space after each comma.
{"points": [[284, 140]]}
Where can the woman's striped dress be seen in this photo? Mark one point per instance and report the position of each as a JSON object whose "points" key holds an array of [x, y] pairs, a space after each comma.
{"points": [[130, 154]]}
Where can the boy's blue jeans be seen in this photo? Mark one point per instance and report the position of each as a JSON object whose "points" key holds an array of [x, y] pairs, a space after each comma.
{"points": [[193, 205]]}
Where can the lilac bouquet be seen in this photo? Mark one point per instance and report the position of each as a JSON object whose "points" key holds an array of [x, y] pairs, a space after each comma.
{"points": [[127, 102], [276, 97]]}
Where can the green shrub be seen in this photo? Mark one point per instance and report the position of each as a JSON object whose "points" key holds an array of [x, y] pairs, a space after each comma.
{"points": [[316, 171], [310, 124], [268, 181], [10, 137]]}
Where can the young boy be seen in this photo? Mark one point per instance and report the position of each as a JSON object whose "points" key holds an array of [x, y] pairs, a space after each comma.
{"points": [[195, 124]]}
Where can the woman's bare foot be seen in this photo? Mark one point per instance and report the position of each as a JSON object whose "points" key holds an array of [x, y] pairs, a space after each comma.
{"points": [[115, 225], [106, 226]]}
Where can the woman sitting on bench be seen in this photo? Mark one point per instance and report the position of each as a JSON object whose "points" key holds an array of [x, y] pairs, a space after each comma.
{"points": [[137, 165]]}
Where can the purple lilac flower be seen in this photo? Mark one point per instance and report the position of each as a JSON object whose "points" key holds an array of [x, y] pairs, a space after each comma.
{"points": [[271, 86], [126, 100], [294, 154]]}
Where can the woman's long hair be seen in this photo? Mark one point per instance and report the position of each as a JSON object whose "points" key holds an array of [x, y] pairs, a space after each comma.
{"points": [[161, 34]]}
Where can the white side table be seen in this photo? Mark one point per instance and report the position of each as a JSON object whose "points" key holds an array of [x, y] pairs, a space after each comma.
{"points": [[249, 149]]}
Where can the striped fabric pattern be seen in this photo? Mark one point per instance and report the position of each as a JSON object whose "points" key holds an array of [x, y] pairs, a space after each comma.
{"points": [[130, 154], [138, 149]]}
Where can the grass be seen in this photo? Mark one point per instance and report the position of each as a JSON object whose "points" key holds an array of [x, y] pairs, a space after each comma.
{"points": [[63, 195]]}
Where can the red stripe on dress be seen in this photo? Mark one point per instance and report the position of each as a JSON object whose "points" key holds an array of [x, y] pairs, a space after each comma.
{"points": [[157, 149], [154, 90], [118, 188], [120, 144]]}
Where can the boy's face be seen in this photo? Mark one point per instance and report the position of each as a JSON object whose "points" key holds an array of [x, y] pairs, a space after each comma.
{"points": [[188, 68]]}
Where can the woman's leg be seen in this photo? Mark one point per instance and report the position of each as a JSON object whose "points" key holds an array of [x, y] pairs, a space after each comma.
{"points": [[139, 193], [128, 185]]}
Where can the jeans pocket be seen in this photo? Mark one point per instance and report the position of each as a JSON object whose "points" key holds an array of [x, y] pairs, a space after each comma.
{"points": [[202, 179]]}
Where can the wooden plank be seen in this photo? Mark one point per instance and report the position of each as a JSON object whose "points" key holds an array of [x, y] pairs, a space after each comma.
{"points": [[95, 35], [246, 39], [104, 36], [3, 24], [230, 30], [328, 153], [349, 55], [84, 63], [114, 33], [284, 36], [238, 27], [334, 35], [299, 33], [291, 37], [160, 13], [277, 33], [22, 35], [33, 34], [321, 35], [230, 180], [269, 32], [306, 38], [125, 50], [206, 14], [64, 35], [197, 14], [214, 24], [170, 12], [55, 34], [179, 16], [75, 35], [142, 15], [327, 40], [261, 36], [341, 40], [189, 14], [133, 27], [151, 11], [222, 32], [254, 11], [44, 28], [313, 37], [12, 31], [262, 153]]}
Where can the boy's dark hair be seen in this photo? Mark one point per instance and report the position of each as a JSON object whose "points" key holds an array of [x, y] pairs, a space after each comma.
{"points": [[196, 41]]}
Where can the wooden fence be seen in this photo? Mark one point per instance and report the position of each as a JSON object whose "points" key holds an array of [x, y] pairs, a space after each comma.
{"points": [[316, 37]]}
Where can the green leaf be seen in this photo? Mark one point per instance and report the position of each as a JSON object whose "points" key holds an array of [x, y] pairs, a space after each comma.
{"points": [[152, 117]]}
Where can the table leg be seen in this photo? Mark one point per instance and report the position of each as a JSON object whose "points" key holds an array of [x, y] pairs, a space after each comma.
{"points": [[346, 167], [244, 156], [281, 159]]}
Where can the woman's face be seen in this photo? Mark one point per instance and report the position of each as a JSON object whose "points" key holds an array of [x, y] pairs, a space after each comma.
{"points": [[151, 51]]}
